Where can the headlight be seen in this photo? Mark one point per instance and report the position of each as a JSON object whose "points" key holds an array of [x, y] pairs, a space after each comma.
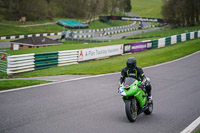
{"points": [[122, 92], [134, 87]]}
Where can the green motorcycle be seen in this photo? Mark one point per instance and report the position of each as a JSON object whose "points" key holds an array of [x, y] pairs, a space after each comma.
{"points": [[135, 99]]}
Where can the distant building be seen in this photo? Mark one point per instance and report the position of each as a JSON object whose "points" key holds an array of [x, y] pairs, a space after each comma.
{"points": [[33, 42]]}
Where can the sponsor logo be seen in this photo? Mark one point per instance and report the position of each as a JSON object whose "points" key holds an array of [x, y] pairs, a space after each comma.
{"points": [[2, 56], [141, 19], [127, 48], [114, 17], [138, 47]]}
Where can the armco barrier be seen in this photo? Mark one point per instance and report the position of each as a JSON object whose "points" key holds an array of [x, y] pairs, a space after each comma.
{"points": [[67, 57], [173, 39], [90, 33], [162, 42], [30, 35], [178, 38], [46, 60], [20, 63], [154, 44], [30, 62]]}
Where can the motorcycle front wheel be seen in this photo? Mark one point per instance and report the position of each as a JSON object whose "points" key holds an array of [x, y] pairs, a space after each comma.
{"points": [[149, 110], [131, 110]]}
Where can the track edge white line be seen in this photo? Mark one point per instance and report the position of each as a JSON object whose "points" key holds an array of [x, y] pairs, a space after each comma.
{"points": [[192, 126]]}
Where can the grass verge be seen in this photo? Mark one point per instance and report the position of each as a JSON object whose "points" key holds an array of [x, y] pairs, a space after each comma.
{"points": [[72, 45], [11, 84], [166, 32], [147, 8], [8, 30], [115, 64]]}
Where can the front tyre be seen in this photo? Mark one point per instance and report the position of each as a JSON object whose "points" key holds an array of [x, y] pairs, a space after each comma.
{"points": [[149, 110], [131, 110]]}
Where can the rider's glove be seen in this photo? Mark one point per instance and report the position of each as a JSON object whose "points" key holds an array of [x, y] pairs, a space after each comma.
{"points": [[142, 85], [119, 87]]}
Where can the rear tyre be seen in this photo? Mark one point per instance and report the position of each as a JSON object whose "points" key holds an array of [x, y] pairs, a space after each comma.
{"points": [[149, 110], [131, 110]]}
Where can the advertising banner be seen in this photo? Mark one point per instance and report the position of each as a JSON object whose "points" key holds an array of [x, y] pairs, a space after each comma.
{"points": [[106, 18], [2, 56], [99, 52], [138, 46]]}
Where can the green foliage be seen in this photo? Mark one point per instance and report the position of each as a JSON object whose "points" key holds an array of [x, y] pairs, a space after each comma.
{"points": [[181, 12], [11, 84], [198, 131], [48, 9]]}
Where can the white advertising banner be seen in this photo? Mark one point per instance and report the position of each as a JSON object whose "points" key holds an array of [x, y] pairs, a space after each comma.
{"points": [[99, 52]]}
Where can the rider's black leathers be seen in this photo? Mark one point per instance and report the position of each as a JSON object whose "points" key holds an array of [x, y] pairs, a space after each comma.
{"points": [[138, 74]]}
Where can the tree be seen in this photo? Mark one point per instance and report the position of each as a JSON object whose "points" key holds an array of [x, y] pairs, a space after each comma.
{"points": [[181, 12]]}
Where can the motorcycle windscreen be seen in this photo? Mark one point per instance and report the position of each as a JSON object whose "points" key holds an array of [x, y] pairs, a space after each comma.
{"points": [[129, 81]]}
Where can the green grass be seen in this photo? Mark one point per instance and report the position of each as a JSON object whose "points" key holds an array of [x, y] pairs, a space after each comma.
{"points": [[72, 45], [68, 45], [115, 64], [167, 32], [147, 8], [8, 30], [11, 84]]}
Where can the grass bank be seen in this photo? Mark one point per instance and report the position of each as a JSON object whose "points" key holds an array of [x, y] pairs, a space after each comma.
{"points": [[72, 45], [11, 84], [147, 8], [69, 45], [115, 64], [165, 32], [8, 30]]}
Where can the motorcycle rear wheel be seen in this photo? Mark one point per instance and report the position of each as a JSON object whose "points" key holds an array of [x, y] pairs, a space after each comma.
{"points": [[131, 110]]}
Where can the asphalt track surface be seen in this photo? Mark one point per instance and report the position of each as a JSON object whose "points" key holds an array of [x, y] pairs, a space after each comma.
{"points": [[92, 105]]}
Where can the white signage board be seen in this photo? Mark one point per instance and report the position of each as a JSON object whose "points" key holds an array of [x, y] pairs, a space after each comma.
{"points": [[15, 47], [99, 52]]}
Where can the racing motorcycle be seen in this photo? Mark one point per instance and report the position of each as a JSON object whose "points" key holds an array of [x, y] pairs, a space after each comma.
{"points": [[135, 98]]}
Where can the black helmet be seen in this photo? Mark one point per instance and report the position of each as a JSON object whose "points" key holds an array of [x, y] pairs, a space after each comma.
{"points": [[131, 63]]}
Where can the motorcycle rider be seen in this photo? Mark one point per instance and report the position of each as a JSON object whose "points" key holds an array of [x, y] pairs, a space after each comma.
{"points": [[132, 70]]}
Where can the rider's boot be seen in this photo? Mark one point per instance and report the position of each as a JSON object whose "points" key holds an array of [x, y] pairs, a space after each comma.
{"points": [[148, 89]]}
